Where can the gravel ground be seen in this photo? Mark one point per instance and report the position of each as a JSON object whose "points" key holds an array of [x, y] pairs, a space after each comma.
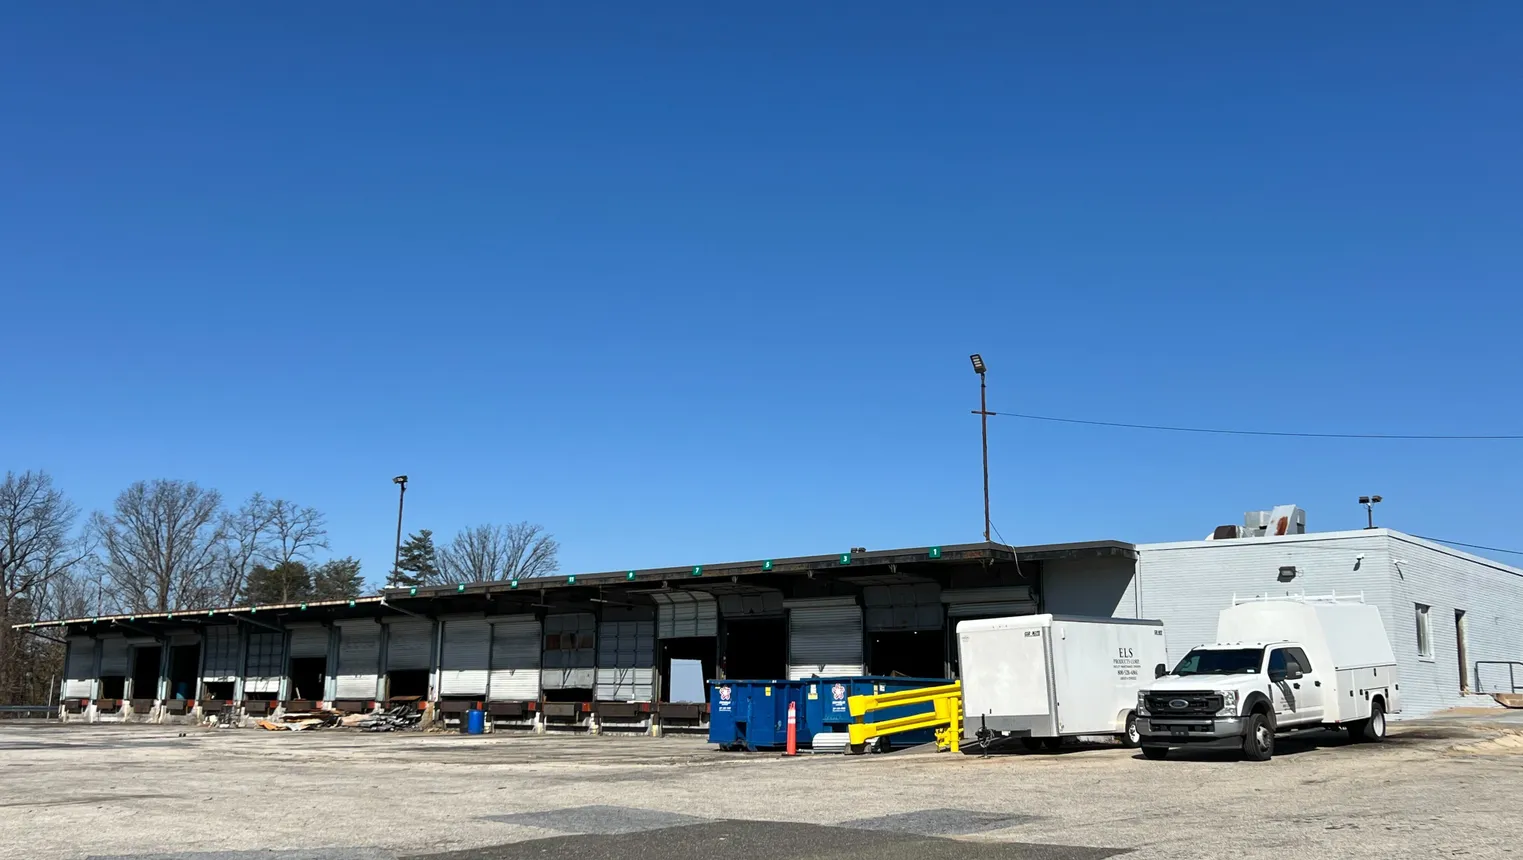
{"points": [[1435, 789]]}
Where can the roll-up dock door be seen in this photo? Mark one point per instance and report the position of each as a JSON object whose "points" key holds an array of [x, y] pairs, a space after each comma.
{"points": [[1000, 602], [570, 651], [824, 637], [626, 655], [517, 642], [309, 641], [685, 614], [465, 659], [902, 606], [266, 654], [409, 644], [220, 661], [359, 658], [79, 668]]}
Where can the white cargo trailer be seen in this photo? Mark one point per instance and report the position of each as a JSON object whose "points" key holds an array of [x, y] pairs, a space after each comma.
{"points": [[1041, 678]]}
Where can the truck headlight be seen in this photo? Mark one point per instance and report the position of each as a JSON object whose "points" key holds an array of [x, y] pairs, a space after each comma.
{"points": [[1142, 705], [1229, 703]]}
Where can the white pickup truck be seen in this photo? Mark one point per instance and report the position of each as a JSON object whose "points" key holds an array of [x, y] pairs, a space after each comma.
{"points": [[1278, 665]]}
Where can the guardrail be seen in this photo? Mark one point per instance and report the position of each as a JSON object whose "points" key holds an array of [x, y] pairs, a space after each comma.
{"points": [[946, 713], [1512, 675], [18, 712]]}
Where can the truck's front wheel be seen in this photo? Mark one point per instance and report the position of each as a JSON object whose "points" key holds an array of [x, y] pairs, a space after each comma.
{"points": [[1155, 753], [1258, 740]]}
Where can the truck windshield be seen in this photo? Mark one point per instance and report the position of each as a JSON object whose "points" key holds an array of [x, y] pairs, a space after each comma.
{"points": [[1235, 661]]}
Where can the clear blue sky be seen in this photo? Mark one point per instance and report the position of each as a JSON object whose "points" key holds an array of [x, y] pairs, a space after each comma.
{"points": [[689, 284]]}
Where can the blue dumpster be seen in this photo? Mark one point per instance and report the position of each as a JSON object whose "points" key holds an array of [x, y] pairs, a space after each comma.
{"points": [[753, 715], [826, 707]]}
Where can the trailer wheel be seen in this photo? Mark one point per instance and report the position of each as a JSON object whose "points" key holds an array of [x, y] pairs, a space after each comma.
{"points": [[1052, 744], [1374, 728], [1031, 744], [1155, 753], [1258, 740], [1131, 738]]}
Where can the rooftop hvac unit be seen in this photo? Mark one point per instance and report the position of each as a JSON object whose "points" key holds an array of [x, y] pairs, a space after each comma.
{"points": [[1280, 520]]}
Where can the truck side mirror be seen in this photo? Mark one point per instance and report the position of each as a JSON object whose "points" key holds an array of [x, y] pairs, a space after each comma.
{"points": [[1160, 670], [1277, 676]]}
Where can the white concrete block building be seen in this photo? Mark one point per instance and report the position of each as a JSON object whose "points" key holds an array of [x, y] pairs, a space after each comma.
{"points": [[1455, 619]]}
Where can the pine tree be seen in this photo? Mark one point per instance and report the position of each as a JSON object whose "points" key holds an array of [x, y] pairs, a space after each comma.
{"points": [[282, 582], [419, 564], [338, 579]]}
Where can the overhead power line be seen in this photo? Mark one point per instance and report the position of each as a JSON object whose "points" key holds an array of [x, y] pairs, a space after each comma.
{"points": [[1225, 432], [1471, 545]]}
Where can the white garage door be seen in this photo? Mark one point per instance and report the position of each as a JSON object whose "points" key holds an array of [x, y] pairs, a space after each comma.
{"points": [[465, 659], [516, 644], [570, 652], [113, 656], [1001, 602], [409, 644], [309, 640], [626, 656], [79, 668], [824, 637], [220, 660], [685, 614], [359, 658], [265, 657], [902, 606]]}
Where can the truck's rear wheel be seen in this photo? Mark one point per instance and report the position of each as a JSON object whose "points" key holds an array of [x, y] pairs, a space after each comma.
{"points": [[1155, 753], [1131, 738], [1374, 728], [1258, 740]]}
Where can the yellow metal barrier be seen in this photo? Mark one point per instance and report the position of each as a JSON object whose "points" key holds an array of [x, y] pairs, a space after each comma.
{"points": [[946, 711]]}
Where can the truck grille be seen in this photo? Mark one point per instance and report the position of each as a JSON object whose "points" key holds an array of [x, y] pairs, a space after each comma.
{"points": [[1183, 704]]}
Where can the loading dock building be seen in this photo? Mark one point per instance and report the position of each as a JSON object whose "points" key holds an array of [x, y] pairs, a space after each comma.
{"points": [[581, 647], [600, 647]]}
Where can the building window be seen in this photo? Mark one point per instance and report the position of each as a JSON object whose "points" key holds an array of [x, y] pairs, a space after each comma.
{"points": [[1424, 632]]}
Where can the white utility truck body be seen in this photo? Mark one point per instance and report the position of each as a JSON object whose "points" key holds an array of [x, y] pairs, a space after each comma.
{"points": [[1279, 664], [1043, 677]]}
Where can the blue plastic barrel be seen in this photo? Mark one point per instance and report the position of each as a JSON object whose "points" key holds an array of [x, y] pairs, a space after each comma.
{"points": [[475, 721]]}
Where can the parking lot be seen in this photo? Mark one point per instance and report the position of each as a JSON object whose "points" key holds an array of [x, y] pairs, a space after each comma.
{"points": [[1434, 789]]}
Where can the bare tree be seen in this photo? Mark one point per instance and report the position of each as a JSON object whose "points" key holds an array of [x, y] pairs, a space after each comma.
{"points": [[496, 552], [163, 542], [37, 547], [246, 540], [295, 532]]}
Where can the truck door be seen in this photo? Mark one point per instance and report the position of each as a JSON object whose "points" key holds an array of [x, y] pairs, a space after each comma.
{"points": [[1307, 683], [1288, 688]]}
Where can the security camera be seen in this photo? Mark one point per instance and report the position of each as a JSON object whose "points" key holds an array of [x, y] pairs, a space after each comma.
{"points": [[1359, 557]]}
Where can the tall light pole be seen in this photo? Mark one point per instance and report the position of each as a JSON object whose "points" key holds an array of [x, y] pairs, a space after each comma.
{"points": [[983, 414], [401, 482], [1369, 503]]}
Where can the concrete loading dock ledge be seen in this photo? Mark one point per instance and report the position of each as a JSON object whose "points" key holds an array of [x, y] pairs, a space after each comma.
{"points": [[592, 650]]}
